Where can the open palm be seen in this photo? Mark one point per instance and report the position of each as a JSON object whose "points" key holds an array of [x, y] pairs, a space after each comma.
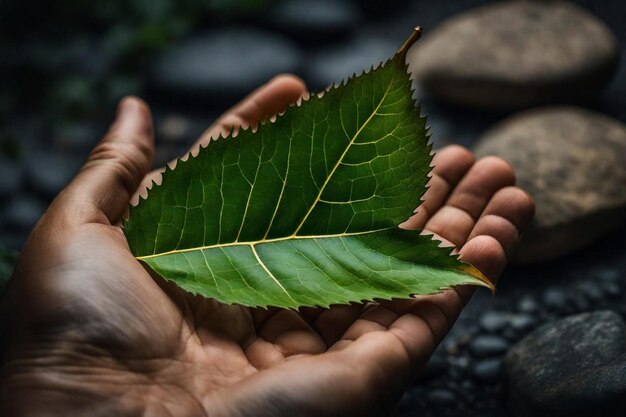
{"points": [[91, 332]]}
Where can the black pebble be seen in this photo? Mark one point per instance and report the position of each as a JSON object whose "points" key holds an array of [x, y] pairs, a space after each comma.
{"points": [[487, 370], [555, 299], [488, 345], [528, 305], [493, 321], [441, 396]]}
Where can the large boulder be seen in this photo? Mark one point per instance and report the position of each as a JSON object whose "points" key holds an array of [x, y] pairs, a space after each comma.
{"points": [[514, 54], [572, 367], [573, 162]]}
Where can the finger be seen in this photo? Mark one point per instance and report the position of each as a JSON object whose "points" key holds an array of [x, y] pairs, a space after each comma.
{"points": [[289, 334], [116, 166], [456, 219], [418, 332], [450, 165], [507, 214], [352, 382], [373, 318], [333, 322], [266, 101]]}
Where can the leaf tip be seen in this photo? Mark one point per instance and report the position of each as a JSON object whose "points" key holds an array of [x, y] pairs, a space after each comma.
{"points": [[474, 272]]}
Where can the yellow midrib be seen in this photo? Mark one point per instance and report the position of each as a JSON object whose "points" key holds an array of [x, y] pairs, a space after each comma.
{"points": [[340, 160], [257, 242]]}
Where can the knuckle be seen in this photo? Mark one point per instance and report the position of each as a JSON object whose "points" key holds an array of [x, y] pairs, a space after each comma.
{"points": [[128, 160]]}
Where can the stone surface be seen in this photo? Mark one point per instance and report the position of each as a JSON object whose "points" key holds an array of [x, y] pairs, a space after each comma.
{"points": [[441, 396], [175, 128], [222, 66], [516, 54], [555, 299], [572, 367], [488, 345], [522, 323], [336, 64], [487, 370], [494, 321], [573, 163], [528, 305], [315, 21]]}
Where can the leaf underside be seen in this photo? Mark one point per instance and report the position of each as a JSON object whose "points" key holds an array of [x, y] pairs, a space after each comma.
{"points": [[304, 210]]}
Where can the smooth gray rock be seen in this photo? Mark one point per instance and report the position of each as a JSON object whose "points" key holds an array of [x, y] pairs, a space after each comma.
{"points": [[514, 54], [487, 370], [441, 396], [572, 161], [222, 66], [315, 21], [488, 345], [555, 299], [340, 62], [571, 367], [494, 321]]}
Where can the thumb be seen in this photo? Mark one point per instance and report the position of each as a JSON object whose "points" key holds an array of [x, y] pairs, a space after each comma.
{"points": [[117, 164]]}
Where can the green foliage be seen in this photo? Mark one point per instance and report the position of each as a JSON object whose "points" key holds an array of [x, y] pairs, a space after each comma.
{"points": [[304, 211]]}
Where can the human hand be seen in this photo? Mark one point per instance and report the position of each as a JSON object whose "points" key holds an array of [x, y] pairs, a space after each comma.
{"points": [[91, 332]]}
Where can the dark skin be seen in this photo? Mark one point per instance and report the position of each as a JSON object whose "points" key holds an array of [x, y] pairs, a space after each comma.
{"points": [[91, 332]]}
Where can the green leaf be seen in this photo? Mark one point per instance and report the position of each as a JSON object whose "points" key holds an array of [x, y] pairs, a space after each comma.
{"points": [[304, 210]]}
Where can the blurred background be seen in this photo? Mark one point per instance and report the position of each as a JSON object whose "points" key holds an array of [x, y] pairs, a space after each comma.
{"points": [[540, 83]]}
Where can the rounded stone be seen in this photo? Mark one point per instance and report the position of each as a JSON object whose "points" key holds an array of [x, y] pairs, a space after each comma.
{"points": [[528, 305], [441, 396], [175, 128], [315, 21], [580, 303], [612, 289], [222, 66], [515, 54], [487, 370], [493, 321], [591, 291], [572, 161], [571, 367], [555, 299], [336, 64], [488, 345], [522, 323]]}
